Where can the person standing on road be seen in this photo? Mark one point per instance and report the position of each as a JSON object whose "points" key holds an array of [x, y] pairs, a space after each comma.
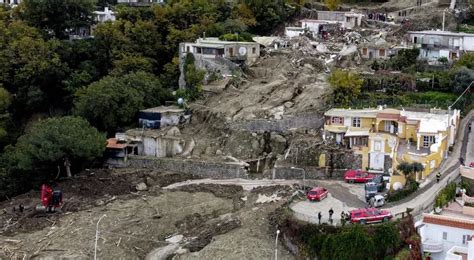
{"points": [[330, 215], [319, 217], [343, 218], [438, 177]]}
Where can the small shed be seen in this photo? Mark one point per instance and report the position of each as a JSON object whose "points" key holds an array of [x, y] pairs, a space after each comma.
{"points": [[163, 116], [377, 48]]}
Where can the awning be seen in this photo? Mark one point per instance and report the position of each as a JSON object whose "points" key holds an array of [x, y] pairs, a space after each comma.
{"points": [[351, 133]]}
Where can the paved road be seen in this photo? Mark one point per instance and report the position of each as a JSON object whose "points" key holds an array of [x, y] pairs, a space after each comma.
{"points": [[345, 197], [449, 171]]}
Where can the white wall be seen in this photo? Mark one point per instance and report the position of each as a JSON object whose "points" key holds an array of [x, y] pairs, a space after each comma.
{"points": [[291, 32], [469, 43], [434, 232]]}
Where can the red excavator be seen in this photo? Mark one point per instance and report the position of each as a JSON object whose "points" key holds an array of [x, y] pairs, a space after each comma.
{"points": [[51, 199]]}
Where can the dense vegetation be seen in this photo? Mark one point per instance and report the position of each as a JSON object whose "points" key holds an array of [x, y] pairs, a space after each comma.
{"points": [[383, 241], [129, 64], [404, 81]]}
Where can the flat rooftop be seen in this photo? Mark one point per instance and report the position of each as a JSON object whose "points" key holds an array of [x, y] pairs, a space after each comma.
{"points": [[215, 40], [163, 109], [442, 33], [429, 122], [370, 112]]}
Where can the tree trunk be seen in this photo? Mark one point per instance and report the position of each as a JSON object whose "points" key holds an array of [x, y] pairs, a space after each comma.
{"points": [[67, 164]]}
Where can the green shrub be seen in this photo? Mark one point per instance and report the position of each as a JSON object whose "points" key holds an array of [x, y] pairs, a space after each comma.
{"points": [[233, 37], [446, 195], [410, 187]]}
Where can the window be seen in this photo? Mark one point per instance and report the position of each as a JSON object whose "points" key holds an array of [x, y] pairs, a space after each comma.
{"points": [[377, 146], [188, 49], [382, 53], [337, 120], [466, 238], [231, 52], [387, 126], [445, 235], [428, 140], [415, 39], [254, 50], [356, 121], [364, 51]]}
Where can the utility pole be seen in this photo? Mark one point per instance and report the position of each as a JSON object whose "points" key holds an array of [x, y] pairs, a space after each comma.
{"points": [[464, 92], [276, 244], [444, 18], [97, 236]]}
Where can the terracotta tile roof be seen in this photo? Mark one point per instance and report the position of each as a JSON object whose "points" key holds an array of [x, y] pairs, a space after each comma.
{"points": [[112, 144], [449, 221]]}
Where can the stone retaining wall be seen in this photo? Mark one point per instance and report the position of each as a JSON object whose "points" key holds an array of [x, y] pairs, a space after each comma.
{"points": [[305, 121], [205, 169]]}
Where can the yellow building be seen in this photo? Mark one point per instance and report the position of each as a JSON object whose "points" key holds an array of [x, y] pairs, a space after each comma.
{"points": [[386, 137]]}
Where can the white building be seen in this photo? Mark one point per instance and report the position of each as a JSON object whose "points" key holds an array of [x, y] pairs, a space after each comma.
{"points": [[436, 44], [103, 16], [348, 20], [213, 48], [10, 2], [331, 21], [450, 234], [140, 2]]}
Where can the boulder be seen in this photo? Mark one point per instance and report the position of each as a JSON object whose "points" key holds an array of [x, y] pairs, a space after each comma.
{"points": [[141, 186]]}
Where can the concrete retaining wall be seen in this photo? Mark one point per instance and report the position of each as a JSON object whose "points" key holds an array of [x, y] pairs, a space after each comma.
{"points": [[311, 173], [201, 168]]}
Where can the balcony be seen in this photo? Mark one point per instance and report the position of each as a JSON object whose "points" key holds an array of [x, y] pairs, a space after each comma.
{"points": [[432, 246], [457, 253], [335, 128]]}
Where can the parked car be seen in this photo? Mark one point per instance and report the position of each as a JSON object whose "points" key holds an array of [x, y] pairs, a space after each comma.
{"points": [[374, 186], [471, 165], [352, 176], [369, 215], [377, 201], [317, 193]]}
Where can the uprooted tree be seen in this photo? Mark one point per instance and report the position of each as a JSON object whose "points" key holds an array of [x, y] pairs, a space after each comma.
{"points": [[58, 141]]}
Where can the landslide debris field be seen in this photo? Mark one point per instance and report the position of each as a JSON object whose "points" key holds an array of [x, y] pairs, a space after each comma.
{"points": [[188, 222]]}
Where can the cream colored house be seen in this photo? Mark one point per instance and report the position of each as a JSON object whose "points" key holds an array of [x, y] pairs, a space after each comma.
{"points": [[386, 137]]}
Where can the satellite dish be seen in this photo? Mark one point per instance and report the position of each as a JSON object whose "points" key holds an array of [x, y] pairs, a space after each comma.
{"points": [[242, 51]]}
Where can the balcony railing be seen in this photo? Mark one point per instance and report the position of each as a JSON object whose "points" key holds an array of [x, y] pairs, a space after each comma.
{"points": [[432, 246]]}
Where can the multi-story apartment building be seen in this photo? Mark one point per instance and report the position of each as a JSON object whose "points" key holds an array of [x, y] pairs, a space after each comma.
{"points": [[437, 44], [386, 137]]}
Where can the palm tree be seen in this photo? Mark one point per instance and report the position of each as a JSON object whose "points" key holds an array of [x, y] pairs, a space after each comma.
{"points": [[406, 168]]}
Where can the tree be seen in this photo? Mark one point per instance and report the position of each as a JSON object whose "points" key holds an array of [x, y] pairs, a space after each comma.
{"points": [[332, 4], [268, 14], [346, 86], [406, 168], [461, 78], [192, 76], [56, 141], [58, 16], [352, 243], [131, 63], [417, 167], [466, 60], [32, 70], [388, 239], [5, 101], [405, 58], [113, 102]]}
